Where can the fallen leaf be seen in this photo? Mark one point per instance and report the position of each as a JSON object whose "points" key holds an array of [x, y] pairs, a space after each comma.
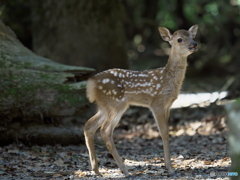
{"points": [[57, 175], [225, 159], [174, 165], [207, 163], [225, 163], [14, 151], [180, 132], [187, 162]]}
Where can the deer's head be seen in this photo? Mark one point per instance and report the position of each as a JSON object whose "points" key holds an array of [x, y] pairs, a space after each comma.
{"points": [[181, 41]]}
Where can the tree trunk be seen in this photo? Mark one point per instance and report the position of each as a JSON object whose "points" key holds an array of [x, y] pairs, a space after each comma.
{"points": [[35, 91], [233, 111], [86, 33]]}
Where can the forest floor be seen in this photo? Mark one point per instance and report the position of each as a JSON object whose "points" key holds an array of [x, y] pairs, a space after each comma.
{"points": [[198, 147]]}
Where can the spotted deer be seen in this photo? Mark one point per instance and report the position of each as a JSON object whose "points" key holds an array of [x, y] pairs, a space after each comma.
{"points": [[115, 90]]}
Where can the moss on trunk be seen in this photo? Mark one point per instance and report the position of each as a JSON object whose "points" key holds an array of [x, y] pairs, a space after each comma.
{"points": [[34, 88]]}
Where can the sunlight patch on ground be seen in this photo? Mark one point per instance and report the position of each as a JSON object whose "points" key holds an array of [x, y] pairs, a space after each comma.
{"points": [[185, 100], [148, 168]]}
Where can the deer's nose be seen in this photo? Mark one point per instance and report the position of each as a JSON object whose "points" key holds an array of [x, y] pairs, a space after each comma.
{"points": [[194, 44]]}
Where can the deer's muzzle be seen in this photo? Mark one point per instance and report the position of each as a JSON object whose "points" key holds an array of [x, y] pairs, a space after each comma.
{"points": [[193, 46]]}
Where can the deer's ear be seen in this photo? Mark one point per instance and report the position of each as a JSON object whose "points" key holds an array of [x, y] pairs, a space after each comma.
{"points": [[165, 33], [193, 30]]}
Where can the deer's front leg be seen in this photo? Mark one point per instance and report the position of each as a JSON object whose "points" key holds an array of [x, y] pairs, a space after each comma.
{"points": [[161, 117]]}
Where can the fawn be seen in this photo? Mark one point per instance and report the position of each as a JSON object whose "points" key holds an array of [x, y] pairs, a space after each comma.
{"points": [[115, 89]]}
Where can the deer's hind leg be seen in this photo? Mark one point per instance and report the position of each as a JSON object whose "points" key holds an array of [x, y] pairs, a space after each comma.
{"points": [[112, 119], [90, 128]]}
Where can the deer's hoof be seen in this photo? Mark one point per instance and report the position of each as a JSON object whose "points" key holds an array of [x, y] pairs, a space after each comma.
{"points": [[97, 173], [130, 176], [172, 173]]}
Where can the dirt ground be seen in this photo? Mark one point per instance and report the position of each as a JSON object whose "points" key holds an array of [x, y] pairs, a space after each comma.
{"points": [[198, 146]]}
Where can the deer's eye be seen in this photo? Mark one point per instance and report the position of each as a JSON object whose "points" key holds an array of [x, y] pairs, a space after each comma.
{"points": [[179, 40]]}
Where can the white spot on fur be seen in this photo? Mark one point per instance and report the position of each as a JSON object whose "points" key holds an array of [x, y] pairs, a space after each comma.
{"points": [[100, 87], [108, 93], [158, 86], [120, 99], [143, 75], [114, 92], [104, 81]]}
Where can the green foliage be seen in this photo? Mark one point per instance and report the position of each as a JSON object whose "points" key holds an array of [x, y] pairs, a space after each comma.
{"points": [[238, 100], [218, 36]]}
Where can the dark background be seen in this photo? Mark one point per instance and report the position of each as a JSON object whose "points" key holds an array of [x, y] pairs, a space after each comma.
{"points": [[106, 34]]}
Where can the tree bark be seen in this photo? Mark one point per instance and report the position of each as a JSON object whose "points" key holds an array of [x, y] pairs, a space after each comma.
{"points": [[86, 33], [233, 111], [34, 89]]}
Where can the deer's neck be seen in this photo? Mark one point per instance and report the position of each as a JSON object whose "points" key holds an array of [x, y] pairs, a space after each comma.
{"points": [[176, 69], [176, 62]]}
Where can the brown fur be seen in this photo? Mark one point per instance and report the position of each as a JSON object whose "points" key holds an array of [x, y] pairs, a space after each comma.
{"points": [[115, 89]]}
